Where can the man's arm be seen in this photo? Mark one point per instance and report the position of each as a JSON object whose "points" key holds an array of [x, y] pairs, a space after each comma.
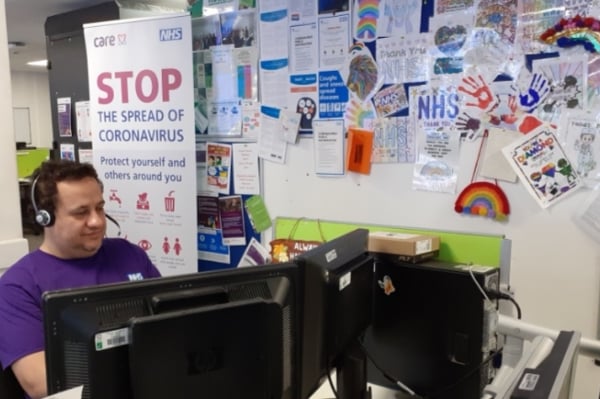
{"points": [[30, 371]]}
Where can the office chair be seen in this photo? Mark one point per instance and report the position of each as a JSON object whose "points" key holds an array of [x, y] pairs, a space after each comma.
{"points": [[9, 386]]}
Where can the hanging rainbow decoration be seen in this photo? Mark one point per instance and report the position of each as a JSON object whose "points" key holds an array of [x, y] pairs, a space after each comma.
{"points": [[368, 14], [575, 31], [483, 199]]}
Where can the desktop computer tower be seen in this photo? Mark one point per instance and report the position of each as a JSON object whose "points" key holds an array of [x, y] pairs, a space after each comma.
{"points": [[430, 327]]}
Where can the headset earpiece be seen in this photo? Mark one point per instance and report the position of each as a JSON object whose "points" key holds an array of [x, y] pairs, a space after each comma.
{"points": [[42, 216]]}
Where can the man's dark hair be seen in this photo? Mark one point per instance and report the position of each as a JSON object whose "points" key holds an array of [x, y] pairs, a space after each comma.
{"points": [[52, 172]]}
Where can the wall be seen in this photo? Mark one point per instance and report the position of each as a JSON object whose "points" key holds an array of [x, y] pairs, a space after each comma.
{"points": [[31, 90], [554, 266], [12, 243]]}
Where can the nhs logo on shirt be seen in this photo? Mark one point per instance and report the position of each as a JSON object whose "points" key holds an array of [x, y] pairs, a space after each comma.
{"points": [[170, 34], [135, 276]]}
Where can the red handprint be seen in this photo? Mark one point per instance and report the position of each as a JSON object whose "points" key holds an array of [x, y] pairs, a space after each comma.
{"points": [[479, 91], [512, 106]]}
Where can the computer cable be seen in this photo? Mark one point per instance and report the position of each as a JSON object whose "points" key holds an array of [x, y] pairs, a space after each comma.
{"points": [[393, 380], [462, 379], [502, 295], [494, 294], [331, 383]]}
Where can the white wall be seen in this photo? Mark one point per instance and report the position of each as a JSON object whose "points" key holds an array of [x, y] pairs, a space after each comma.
{"points": [[555, 267], [31, 90], [12, 243]]}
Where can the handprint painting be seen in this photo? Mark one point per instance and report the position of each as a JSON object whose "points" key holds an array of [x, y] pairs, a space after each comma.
{"points": [[513, 107]]}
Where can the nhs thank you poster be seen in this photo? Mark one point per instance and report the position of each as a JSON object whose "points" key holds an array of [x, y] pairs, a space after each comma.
{"points": [[142, 120]]}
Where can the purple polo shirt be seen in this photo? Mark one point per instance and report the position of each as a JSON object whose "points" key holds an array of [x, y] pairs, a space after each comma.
{"points": [[22, 285]]}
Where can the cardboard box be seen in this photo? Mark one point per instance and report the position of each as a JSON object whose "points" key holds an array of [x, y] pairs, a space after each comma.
{"points": [[411, 247]]}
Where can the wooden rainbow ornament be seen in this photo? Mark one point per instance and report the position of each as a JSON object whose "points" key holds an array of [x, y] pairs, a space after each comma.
{"points": [[483, 198]]}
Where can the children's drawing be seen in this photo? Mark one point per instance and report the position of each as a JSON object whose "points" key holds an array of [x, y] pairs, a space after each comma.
{"points": [[362, 76], [400, 17], [366, 17], [579, 132], [568, 86]]}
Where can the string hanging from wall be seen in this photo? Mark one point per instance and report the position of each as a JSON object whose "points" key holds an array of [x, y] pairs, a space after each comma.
{"points": [[483, 198]]}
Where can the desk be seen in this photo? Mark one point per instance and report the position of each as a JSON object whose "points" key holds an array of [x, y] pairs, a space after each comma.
{"points": [[377, 392]]}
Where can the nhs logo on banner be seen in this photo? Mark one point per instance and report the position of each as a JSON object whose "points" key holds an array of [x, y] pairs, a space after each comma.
{"points": [[171, 34]]}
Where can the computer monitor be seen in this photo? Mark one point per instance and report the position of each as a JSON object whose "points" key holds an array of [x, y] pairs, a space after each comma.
{"points": [[337, 279], [222, 334]]}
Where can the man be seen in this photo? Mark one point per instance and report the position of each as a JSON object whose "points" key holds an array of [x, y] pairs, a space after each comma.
{"points": [[67, 198]]}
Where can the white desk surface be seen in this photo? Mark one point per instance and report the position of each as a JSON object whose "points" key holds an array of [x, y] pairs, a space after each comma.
{"points": [[377, 392]]}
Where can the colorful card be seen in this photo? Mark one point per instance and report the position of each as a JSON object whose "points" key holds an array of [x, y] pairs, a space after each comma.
{"points": [[542, 166]]}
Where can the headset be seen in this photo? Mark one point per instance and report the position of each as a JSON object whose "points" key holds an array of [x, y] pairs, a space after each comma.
{"points": [[46, 219], [42, 216]]}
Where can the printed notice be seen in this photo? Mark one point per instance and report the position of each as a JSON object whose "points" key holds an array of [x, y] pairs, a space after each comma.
{"points": [[329, 147]]}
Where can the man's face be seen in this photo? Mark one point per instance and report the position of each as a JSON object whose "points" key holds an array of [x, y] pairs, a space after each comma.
{"points": [[80, 223]]}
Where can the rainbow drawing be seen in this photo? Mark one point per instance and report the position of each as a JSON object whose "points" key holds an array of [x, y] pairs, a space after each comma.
{"points": [[368, 14], [483, 199]]}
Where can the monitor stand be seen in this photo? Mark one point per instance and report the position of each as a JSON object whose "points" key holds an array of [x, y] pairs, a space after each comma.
{"points": [[351, 374]]}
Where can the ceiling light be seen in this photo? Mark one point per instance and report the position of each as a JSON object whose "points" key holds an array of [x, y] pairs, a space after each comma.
{"points": [[39, 63], [15, 44]]}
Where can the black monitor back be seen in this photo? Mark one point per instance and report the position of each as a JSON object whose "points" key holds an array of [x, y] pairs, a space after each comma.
{"points": [[87, 330], [338, 279], [429, 332], [203, 351]]}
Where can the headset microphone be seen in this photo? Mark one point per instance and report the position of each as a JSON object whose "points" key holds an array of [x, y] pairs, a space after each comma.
{"points": [[115, 223], [42, 216]]}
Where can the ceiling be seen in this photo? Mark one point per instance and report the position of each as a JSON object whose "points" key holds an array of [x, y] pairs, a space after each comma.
{"points": [[25, 23]]}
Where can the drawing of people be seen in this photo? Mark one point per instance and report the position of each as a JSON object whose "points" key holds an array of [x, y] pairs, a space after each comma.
{"points": [[586, 161]]}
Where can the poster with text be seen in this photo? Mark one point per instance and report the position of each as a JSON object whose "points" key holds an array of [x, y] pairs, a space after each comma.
{"points": [[142, 121]]}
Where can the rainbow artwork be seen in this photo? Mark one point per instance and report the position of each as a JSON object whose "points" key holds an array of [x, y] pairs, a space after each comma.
{"points": [[367, 15], [483, 199], [575, 31]]}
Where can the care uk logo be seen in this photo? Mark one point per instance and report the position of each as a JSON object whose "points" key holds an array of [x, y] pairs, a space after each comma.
{"points": [[166, 35], [110, 40]]}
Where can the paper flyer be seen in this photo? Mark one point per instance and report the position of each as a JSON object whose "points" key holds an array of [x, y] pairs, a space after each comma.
{"points": [[67, 151], [210, 235], [258, 213], [218, 168], [82, 121], [64, 116], [433, 111], [254, 255], [542, 166], [245, 168], [329, 147], [231, 213]]}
